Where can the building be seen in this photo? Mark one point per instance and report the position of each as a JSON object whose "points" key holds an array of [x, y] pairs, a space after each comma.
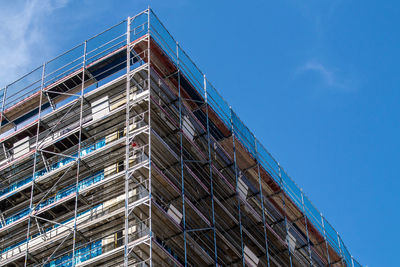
{"points": [[121, 152]]}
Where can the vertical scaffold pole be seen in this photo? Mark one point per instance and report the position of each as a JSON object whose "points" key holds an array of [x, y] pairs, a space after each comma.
{"points": [[211, 173], [79, 155], [3, 102], [128, 89], [284, 213], [149, 88], [34, 165], [340, 249], [181, 152], [326, 241], [262, 202], [237, 186], [306, 223]]}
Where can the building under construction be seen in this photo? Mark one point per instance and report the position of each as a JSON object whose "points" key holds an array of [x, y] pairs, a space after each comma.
{"points": [[121, 152]]}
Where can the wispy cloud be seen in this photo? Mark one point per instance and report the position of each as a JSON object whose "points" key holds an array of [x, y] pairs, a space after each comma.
{"points": [[334, 75], [329, 77], [23, 29]]}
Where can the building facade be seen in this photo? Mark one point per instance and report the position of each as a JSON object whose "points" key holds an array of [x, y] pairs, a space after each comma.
{"points": [[120, 152]]}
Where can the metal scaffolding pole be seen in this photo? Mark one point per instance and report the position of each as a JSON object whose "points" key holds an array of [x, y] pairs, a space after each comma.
{"points": [[3, 101], [149, 107], [306, 224], [79, 154], [285, 218], [211, 173], [181, 153], [128, 89], [34, 167], [340, 249], [262, 202], [237, 186], [326, 241]]}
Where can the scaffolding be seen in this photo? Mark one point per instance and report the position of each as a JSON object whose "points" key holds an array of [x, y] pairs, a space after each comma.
{"points": [[121, 152]]}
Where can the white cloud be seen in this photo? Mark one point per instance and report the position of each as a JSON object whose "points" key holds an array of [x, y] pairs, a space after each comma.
{"points": [[330, 78], [23, 29], [327, 75]]}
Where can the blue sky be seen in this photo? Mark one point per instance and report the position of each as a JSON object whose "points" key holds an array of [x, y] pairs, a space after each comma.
{"points": [[316, 81]]}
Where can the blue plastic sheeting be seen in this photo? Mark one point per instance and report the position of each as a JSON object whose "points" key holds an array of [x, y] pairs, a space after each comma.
{"points": [[268, 162], [72, 189], [139, 26], [65, 192], [90, 251], [313, 215], [85, 253], [331, 236], [244, 135], [49, 229], [191, 72], [291, 189], [55, 166], [15, 185], [345, 253], [175, 52], [162, 37], [59, 195], [16, 217], [218, 104]]}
